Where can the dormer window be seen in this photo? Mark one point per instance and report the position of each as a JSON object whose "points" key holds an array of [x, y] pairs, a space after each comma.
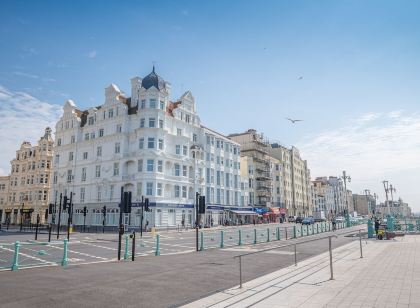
{"points": [[91, 120]]}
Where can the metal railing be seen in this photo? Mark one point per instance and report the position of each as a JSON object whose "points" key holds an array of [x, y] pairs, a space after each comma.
{"points": [[239, 257]]}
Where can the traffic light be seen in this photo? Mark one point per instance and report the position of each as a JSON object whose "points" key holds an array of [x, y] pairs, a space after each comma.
{"points": [[84, 211], [146, 204], [65, 203], [104, 211], [127, 202], [50, 208], [201, 204]]}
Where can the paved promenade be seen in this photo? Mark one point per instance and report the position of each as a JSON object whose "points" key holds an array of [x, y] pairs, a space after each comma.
{"points": [[388, 275]]}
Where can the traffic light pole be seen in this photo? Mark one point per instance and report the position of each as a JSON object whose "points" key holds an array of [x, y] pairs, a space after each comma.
{"points": [[120, 226], [141, 216], [196, 220], [59, 217], [70, 212]]}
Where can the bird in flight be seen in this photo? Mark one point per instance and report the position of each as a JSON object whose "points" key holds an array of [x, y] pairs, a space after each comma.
{"points": [[300, 78], [293, 121]]}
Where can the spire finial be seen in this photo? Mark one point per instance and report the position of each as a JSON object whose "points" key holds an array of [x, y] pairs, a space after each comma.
{"points": [[154, 62]]}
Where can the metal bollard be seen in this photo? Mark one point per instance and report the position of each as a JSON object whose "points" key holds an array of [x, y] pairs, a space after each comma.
{"points": [[15, 265], [317, 228], [49, 233], [278, 233], [221, 239], [133, 246], [360, 241], [239, 237], [295, 256], [301, 230], [255, 236], [126, 248], [285, 232], [157, 252], [307, 230], [294, 231], [331, 265], [65, 260]]}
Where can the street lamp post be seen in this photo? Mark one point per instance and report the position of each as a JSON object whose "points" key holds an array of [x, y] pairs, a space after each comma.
{"points": [[196, 151], [386, 188], [392, 190], [367, 194], [346, 178]]}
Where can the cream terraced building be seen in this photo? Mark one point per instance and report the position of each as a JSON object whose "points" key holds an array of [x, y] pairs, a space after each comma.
{"points": [[26, 195], [151, 146]]}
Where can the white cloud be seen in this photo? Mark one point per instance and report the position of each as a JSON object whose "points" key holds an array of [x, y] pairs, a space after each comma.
{"points": [[371, 148], [92, 54], [22, 118], [22, 74]]}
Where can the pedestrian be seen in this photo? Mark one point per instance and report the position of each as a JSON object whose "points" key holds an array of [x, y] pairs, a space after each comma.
{"points": [[183, 223], [254, 221], [377, 224], [334, 222], [147, 225], [211, 222], [241, 221]]}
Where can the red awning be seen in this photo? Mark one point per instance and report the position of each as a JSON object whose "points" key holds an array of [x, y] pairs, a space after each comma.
{"points": [[274, 210]]}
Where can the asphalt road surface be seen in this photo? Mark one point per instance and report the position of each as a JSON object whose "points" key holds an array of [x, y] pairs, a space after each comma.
{"points": [[166, 281]]}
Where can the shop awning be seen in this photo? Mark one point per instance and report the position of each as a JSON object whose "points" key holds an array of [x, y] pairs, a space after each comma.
{"points": [[243, 212], [274, 210]]}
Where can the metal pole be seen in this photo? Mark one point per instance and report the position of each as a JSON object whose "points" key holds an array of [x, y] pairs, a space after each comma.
{"points": [[360, 241], [64, 262], [15, 265], [84, 222], [70, 211], [240, 272], [120, 227], [36, 227], [21, 218], [196, 220], [59, 217], [141, 216], [295, 256], [331, 265], [133, 246], [126, 248], [49, 233]]}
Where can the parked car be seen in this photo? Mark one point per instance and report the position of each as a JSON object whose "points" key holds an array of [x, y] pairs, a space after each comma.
{"points": [[308, 221], [320, 219], [291, 219], [298, 220]]}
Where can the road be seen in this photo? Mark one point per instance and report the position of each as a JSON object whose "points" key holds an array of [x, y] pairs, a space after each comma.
{"points": [[165, 281]]}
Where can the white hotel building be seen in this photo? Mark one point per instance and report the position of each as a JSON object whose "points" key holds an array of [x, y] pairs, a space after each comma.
{"points": [[150, 146]]}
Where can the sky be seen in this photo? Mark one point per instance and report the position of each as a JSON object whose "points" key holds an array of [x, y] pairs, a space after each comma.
{"points": [[349, 69]]}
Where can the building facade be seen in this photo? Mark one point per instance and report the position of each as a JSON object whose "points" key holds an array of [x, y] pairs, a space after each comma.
{"points": [[4, 194], [28, 189], [151, 146]]}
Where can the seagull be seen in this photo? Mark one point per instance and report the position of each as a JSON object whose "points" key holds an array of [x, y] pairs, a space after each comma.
{"points": [[293, 121], [300, 78]]}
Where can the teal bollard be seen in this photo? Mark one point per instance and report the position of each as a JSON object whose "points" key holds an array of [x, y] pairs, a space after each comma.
{"points": [[221, 239], [240, 237], [126, 256], [65, 259], [294, 231], [370, 228], [268, 234], [157, 252], [317, 228], [301, 230], [307, 230], [15, 265], [255, 236], [313, 229], [278, 233], [201, 241]]}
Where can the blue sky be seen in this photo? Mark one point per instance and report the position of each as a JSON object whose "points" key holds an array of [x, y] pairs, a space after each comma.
{"points": [[358, 59]]}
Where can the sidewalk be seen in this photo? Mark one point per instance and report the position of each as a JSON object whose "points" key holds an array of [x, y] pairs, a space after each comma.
{"points": [[387, 276]]}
